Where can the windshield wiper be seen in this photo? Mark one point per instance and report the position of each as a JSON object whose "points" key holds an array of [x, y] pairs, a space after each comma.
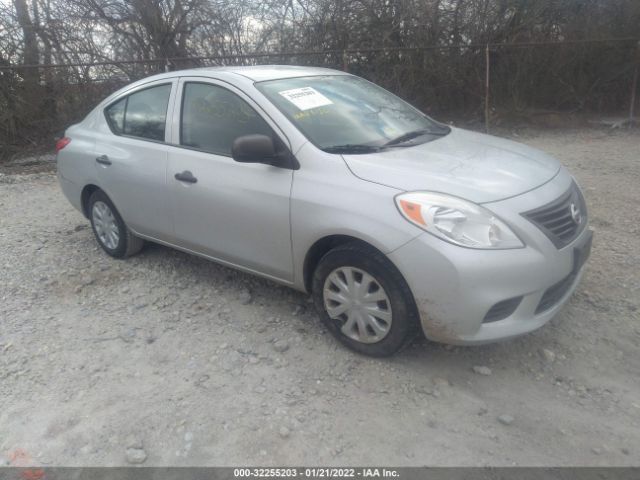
{"points": [[351, 148], [361, 148], [415, 134]]}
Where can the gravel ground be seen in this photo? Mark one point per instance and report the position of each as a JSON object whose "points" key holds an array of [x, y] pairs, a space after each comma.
{"points": [[167, 359]]}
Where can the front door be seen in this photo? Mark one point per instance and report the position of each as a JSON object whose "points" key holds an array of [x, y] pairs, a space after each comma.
{"points": [[234, 212]]}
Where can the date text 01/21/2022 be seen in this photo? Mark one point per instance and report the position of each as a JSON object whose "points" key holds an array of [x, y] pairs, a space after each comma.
{"points": [[316, 472]]}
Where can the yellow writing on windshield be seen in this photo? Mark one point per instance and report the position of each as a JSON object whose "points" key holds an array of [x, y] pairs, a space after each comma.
{"points": [[314, 112]]}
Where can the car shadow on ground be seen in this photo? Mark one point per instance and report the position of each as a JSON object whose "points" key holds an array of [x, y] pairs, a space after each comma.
{"points": [[420, 355]]}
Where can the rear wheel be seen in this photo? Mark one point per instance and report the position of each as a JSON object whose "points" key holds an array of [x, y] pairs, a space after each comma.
{"points": [[110, 230], [364, 301]]}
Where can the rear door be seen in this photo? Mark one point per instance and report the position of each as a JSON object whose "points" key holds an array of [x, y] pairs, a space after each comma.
{"points": [[234, 212], [132, 156]]}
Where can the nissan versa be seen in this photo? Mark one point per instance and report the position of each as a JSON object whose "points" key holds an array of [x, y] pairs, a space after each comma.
{"points": [[325, 182]]}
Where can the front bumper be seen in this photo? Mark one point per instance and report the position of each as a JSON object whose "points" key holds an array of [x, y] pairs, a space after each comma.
{"points": [[455, 288]]}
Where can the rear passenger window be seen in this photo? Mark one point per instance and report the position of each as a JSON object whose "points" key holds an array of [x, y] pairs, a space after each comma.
{"points": [[142, 114], [115, 115], [213, 117]]}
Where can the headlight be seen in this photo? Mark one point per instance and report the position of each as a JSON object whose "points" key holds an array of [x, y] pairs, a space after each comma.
{"points": [[456, 220]]}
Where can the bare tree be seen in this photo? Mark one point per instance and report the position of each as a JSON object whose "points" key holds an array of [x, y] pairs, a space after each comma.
{"points": [[120, 34]]}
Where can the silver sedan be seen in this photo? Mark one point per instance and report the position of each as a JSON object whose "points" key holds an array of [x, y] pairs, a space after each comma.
{"points": [[325, 182]]}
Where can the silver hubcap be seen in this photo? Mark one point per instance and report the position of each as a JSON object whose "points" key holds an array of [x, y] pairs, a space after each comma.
{"points": [[358, 301], [105, 225]]}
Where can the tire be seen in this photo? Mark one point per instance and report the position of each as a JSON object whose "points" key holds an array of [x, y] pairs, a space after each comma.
{"points": [[127, 244], [369, 269]]}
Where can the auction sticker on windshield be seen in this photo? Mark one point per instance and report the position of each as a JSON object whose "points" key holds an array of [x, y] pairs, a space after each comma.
{"points": [[306, 98]]}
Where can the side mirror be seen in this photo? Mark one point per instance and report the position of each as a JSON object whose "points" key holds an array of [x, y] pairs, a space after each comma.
{"points": [[253, 149], [261, 149]]}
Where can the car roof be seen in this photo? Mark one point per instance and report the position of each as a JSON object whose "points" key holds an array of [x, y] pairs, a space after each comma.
{"points": [[257, 73], [232, 74]]}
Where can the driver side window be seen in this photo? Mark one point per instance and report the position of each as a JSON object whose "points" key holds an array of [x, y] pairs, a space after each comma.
{"points": [[213, 117]]}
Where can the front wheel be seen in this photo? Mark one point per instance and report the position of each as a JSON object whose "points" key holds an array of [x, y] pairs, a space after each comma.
{"points": [[364, 301], [110, 230]]}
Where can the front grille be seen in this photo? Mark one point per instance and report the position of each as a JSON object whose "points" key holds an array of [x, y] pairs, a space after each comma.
{"points": [[554, 293], [557, 219], [502, 310]]}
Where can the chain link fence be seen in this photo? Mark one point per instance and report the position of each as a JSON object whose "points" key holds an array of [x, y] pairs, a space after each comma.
{"points": [[490, 84]]}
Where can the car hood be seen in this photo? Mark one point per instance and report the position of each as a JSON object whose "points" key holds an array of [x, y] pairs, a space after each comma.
{"points": [[471, 165]]}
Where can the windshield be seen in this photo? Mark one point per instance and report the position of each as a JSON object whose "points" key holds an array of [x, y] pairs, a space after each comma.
{"points": [[347, 114]]}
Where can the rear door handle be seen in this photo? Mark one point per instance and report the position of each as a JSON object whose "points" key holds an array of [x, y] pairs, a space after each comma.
{"points": [[103, 160], [186, 176]]}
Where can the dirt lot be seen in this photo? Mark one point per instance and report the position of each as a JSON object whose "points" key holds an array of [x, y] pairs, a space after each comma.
{"points": [[172, 360]]}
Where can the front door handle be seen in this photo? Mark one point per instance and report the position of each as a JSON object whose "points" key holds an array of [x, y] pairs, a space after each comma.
{"points": [[103, 160], [186, 176]]}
